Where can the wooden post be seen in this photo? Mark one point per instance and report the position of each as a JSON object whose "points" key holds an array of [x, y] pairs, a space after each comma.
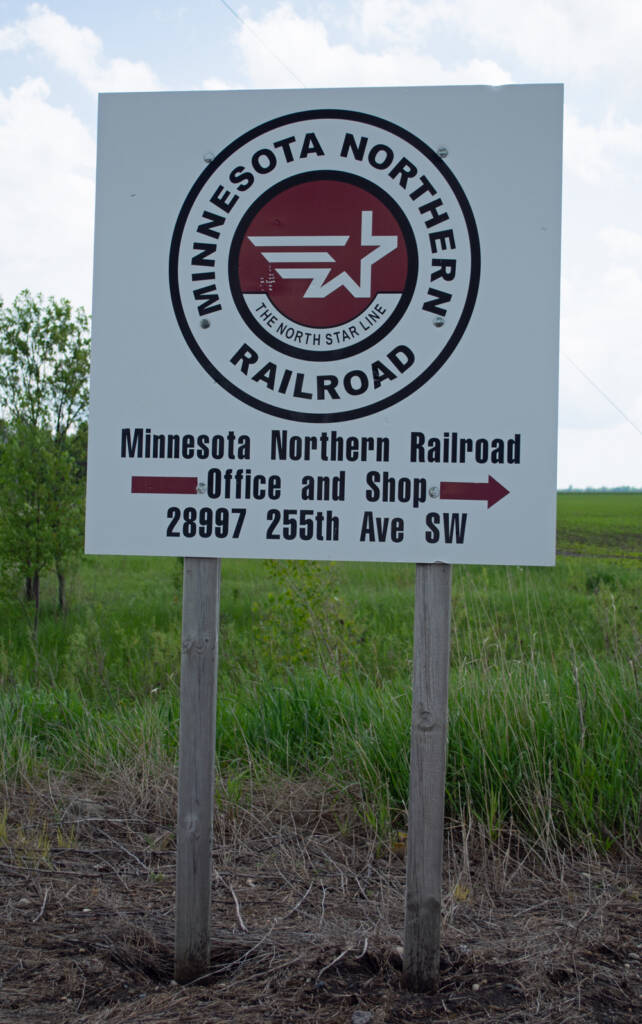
{"points": [[197, 740], [427, 776]]}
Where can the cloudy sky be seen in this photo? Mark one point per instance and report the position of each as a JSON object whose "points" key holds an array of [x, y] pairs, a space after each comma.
{"points": [[55, 59]]}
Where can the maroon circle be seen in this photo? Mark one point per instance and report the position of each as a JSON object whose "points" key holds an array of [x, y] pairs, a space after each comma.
{"points": [[320, 209]]}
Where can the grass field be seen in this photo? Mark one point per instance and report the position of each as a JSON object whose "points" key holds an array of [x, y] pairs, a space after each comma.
{"points": [[603, 524], [314, 681]]}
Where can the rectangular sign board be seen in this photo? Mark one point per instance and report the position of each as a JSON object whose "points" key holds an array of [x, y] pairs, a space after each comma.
{"points": [[325, 325]]}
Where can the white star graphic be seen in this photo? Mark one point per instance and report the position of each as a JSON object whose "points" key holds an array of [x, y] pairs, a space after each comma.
{"points": [[320, 287]]}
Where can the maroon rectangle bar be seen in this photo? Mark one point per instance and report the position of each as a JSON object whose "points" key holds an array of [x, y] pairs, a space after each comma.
{"points": [[462, 491], [164, 484]]}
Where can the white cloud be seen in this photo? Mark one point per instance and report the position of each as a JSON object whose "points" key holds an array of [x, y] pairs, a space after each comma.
{"points": [[561, 36], [555, 37], [314, 61], [600, 335], [594, 151], [46, 196], [623, 244], [47, 171], [390, 20], [77, 51], [600, 457], [216, 83], [602, 303]]}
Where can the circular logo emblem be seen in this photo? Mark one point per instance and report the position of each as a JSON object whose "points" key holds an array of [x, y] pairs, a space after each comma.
{"points": [[308, 250], [324, 266]]}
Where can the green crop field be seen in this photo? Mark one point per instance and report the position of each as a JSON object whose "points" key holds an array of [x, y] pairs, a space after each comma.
{"points": [[600, 523], [314, 681]]}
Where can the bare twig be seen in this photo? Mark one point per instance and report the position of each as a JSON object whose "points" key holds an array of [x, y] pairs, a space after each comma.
{"points": [[35, 869], [296, 906], [224, 968], [82, 994], [335, 961], [42, 909], [124, 849], [238, 910], [360, 887], [325, 892]]}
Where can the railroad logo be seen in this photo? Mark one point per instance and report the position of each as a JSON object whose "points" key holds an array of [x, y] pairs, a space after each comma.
{"points": [[324, 266]]}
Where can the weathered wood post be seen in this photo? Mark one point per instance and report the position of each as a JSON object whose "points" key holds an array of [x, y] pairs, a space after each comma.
{"points": [[197, 741], [429, 730]]}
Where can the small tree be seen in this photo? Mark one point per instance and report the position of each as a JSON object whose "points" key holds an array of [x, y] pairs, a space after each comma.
{"points": [[44, 391], [28, 468]]}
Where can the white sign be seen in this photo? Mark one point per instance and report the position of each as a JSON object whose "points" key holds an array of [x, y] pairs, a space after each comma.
{"points": [[326, 324]]}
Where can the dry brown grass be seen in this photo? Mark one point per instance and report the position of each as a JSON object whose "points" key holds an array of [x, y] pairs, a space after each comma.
{"points": [[307, 918]]}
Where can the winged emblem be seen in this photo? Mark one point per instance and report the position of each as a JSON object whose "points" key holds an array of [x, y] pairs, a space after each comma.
{"points": [[312, 252]]}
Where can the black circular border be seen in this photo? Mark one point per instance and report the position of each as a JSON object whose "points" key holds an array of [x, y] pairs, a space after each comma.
{"points": [[371, 339], [446, 351]]}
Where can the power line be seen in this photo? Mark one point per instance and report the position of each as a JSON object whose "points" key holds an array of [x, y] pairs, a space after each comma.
{"points": [[603, 393], [263, 44]]}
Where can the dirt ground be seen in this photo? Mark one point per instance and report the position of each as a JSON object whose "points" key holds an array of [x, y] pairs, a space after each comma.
{"points": [[307, 920]]}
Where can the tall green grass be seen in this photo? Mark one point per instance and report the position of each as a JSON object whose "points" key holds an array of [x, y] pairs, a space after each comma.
{"points": [[314, 681]]}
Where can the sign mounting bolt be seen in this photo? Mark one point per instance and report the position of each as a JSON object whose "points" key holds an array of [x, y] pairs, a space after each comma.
{"points": [[438, 321], [208, 157], [433, 492], [442, 151], [204, 322]]}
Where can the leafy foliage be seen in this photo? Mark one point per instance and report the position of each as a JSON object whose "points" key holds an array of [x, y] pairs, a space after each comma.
{"points": [[44, 363], [320, 627], [44, 391]]}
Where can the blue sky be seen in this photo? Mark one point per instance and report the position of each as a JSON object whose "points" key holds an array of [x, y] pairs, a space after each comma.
{"points": [[55, 58]]}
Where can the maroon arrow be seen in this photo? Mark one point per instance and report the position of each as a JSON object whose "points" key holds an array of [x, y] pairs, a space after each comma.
{"points": [[164, 484], [492, 492]]}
